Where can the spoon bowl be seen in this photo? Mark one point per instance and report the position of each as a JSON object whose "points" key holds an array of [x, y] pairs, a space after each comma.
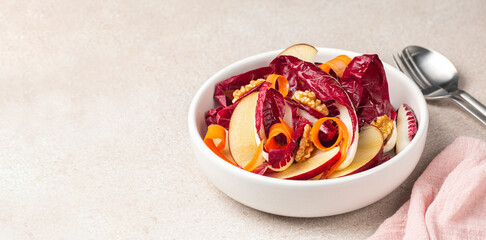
{"points": [[435, 67]]}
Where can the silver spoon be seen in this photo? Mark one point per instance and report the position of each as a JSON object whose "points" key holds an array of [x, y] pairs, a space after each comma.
{"points": [[437, 70]]}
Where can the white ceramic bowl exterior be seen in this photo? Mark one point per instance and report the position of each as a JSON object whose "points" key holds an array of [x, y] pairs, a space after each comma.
{"points": [[307, 198]]}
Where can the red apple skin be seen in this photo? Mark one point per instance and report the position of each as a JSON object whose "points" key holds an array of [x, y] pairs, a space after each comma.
{"points": [[241, 136], [321, 169], [302, 51], [372, 163], [282, 165], [406, 127], [310, 173], [364, 149]]}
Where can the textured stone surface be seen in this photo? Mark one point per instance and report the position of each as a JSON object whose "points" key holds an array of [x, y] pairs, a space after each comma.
{"points": [[94, 99]]}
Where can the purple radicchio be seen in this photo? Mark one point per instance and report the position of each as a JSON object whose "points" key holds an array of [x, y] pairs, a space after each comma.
{"points": [[270, 107], [220, 115], [365, 82], [225, 88]]}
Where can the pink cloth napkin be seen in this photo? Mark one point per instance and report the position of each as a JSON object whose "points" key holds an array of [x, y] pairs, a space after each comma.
{"points": [[448, 200]]}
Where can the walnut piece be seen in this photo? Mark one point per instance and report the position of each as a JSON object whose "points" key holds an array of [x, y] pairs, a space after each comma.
{"points": [[385, 124], [305, 145], [309, 99], [244, 89]]}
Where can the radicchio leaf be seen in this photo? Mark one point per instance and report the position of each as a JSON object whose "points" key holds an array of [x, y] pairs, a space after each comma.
{"points": [[314, 113], [220, 115], [277, 158], [293, 108], [280, 66], [260, 170], [365, 82], [270, 107], [328, 133], [236, 82], [211, 115]]}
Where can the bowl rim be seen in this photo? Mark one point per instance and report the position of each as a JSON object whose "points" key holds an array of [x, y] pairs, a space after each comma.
{"points": [[260, 179]]}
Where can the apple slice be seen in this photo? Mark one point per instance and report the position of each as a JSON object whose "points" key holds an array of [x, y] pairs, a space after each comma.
{"points": [[318, 163], [241, 134], [370, 147], [304, 52], [391, 140], [257, 159], [353, 136], [287, 119], [406, 127]]}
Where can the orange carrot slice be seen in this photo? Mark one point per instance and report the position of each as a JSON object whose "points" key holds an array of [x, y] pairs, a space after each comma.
{"points": [[257, 158], [342, 139], [338, 65], [343, 149], [275, 130], [217, 132], [283, 83], [315, 132]]}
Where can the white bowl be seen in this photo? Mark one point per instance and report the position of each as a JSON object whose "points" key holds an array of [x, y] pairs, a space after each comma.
{"points": [[307, 198]]}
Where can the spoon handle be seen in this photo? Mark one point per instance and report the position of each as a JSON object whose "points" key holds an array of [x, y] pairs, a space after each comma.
{"points": [[470, 104]]}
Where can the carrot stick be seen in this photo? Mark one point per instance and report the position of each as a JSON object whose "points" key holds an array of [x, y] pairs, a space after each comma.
{"points": [[343, 149], [253, 162], [338, 65], [275, 130], [342, 139], [219, 133], [283, 83], [315, 132]]}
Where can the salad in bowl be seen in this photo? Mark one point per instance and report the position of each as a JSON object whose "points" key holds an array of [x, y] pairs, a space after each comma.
{"points": [[247, 121], [298, 119]]}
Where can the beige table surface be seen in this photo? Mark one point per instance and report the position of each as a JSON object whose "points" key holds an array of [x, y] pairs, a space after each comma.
{"points": [[94, 100]]}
